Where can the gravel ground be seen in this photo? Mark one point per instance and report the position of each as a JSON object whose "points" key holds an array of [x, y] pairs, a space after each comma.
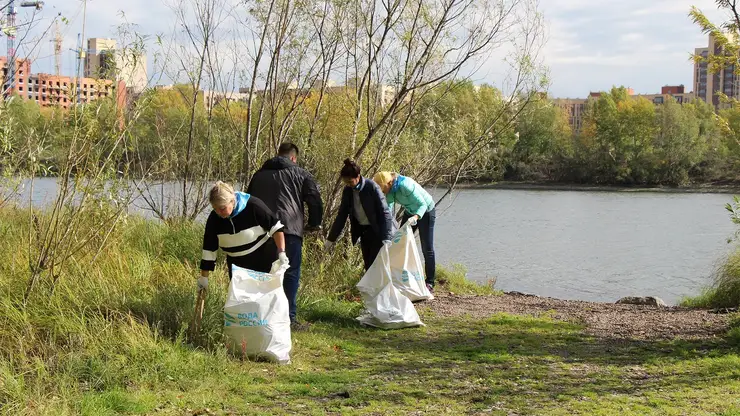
{"points": [[600, 319]]}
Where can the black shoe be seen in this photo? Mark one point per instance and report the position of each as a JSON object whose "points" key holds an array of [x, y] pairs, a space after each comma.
{"points": [[296, 326], [431, 288]]}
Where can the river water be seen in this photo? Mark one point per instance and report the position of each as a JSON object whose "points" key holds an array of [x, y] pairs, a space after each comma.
{"points": [[596, 246]]}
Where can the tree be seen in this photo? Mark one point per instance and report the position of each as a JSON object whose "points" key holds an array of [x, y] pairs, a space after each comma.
{"points": [[544, 142], [618, 137], [679, 144]]}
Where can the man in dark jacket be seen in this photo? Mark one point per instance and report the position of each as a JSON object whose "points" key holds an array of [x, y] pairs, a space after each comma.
{"points": [[284, 187]]}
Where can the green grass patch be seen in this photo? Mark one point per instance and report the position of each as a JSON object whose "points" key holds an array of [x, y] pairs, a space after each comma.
{"points": [[110, 338], [454, 280]]}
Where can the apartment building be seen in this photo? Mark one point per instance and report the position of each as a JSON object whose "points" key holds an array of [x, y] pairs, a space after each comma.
{"points": [[104, 61], [52, 90], [22, 72], [708, 86], [575, 108]]}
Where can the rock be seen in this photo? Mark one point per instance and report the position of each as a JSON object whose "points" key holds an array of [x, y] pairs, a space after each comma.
{"points": [[643, 300], [515, 293], [724, 310]]}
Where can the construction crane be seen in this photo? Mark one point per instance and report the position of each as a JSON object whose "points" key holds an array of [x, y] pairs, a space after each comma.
{"points": [[57, 48], [10, 31], [81, 53]]}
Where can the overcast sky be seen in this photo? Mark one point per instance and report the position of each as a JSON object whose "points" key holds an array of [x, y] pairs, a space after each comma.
{"points": [[592, 44]]}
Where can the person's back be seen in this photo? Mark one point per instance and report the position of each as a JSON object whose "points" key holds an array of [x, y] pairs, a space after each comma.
{"points": [[284, 187]]}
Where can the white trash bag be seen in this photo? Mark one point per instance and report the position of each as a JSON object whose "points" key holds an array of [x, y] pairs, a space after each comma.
{"points": [[407, 269], [256, 320], [386, 306]]}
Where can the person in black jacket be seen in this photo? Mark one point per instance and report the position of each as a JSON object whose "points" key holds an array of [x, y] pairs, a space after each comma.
{"points": [[285, 187], [241, 225], [371, 221]]}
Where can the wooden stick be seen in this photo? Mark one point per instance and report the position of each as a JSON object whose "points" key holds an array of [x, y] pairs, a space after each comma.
{"points": [[198, 316]]}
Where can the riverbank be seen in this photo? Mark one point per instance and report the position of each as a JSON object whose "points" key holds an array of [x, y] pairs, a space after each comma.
{"points": [[548, 186]]}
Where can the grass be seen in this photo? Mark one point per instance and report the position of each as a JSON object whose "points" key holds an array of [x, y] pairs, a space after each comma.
{"points": [[111, 339], [454, 280], [725, 292]]}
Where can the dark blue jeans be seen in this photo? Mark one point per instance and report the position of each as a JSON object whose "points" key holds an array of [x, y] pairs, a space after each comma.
{"points": [[425, 225], [291, 281]]}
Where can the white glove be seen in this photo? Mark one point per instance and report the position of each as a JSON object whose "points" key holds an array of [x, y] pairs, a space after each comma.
{"points": [[202, 282], [412, 220], [283, 258], [328, 245], [387, 242]]}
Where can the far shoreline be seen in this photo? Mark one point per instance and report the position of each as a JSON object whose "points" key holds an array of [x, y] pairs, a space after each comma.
{"points": [[545, 186]]}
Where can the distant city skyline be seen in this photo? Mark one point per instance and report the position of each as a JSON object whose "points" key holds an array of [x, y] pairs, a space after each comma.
{"points": [[592, 44]]}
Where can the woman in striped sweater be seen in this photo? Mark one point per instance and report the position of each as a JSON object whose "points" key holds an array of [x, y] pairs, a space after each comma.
{"points": [[245, 229]]}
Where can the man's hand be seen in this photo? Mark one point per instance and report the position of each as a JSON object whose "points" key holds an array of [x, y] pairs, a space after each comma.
{"points": [[202, 282], [283, 258]]}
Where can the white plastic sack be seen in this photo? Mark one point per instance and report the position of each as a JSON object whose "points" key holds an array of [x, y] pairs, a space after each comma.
{"points": [[386, 306], [407, 269], [256, 320]]}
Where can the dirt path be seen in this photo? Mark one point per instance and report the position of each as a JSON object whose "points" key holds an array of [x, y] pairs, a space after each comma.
{"points": [[600, 319]]}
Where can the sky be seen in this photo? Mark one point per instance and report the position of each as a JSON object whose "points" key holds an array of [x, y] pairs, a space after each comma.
{"points": [[591, 44]]}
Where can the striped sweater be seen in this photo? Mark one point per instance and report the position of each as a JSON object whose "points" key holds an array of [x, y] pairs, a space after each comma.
{"points": [[249, 223]]}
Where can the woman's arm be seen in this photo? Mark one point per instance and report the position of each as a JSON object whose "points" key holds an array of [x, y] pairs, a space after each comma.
{"points": [[279, 238], [210, 247], [341, 220]]}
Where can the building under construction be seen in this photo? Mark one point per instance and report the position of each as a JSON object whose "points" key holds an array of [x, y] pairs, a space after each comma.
{"points": [[54, 90]]}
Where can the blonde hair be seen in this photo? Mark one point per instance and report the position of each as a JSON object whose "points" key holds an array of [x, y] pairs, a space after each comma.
{"points": [[383, 177], [221, 194]]}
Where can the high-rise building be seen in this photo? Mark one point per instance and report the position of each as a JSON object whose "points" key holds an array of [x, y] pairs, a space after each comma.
{"points": [[708, 86], [104, 61], [701, 74], [100, 59]]}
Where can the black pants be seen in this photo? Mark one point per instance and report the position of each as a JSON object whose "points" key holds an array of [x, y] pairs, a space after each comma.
{"points": [[370, 244], [426, 235], [294, 251]]}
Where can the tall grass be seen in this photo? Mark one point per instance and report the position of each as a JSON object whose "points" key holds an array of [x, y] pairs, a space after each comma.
{"points": [[725, 292], [109, 321], [121, 318]]}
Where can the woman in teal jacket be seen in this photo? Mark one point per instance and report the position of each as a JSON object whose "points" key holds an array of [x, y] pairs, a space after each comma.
{"points": [[419, 211]]}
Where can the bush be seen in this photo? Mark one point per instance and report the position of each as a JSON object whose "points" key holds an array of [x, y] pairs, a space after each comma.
{"points": [[733, 334]]}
